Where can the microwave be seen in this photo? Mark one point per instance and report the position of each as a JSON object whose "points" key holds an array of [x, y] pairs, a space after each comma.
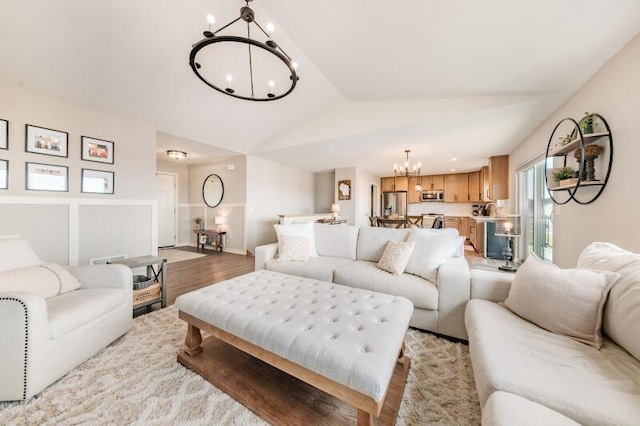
{"points": [[433, 195]]}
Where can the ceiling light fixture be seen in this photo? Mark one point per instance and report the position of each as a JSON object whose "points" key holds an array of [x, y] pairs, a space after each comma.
{"points": [[274, 68], [406, 171], [176, 155]]}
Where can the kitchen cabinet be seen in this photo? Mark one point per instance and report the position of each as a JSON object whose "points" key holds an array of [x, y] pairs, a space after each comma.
{"points": [[463, 229], [413, 196], [400, 183], [456, 188], [432, 182], [475, 190], [498, 177], [452, 222], [484, 184], [476, 235]]}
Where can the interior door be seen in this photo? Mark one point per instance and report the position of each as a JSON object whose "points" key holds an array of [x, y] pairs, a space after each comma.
{"points": [[166, 196]]}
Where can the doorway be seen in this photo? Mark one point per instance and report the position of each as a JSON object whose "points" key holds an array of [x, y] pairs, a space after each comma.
{"points": [[166, 196]]}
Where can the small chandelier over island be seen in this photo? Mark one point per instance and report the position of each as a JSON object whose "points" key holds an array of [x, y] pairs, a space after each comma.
{"points": [[406, 170]]}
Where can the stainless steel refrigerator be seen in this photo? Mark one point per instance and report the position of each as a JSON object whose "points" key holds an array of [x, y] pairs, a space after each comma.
{"points": [[394, 203]]}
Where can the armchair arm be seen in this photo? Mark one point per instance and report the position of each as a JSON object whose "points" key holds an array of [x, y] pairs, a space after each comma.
{"points": [[24, 330], [264, 254], [103, 276], [490, 285], [454, 291]]}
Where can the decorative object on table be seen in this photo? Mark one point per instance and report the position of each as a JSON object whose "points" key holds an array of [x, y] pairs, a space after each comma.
{"points": [[335, 209], [97, 182], [275, 72], [47, 177], [508, 226], [197, 222], [176, 155], [4, 174], [586, 124], [406, 170], [97, 150], [4, 134], [591, 152], [212, 190], [218, 221], [40, 140], [344, 190]]}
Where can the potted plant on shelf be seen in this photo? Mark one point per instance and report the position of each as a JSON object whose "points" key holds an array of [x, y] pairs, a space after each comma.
{"points": [[564, 176], [587, 123], [198, 222]]}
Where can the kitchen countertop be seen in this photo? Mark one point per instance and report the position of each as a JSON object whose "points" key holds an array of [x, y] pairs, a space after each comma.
{"points": [[483, 218]]}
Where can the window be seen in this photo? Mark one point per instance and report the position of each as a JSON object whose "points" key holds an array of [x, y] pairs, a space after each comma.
{"points": [[536, 210]]}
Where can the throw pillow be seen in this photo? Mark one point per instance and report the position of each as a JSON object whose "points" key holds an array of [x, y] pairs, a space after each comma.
{"points": [[395, 257], [294, 249], [564, 301], [298, 230], [47, 279], [431, 251]]}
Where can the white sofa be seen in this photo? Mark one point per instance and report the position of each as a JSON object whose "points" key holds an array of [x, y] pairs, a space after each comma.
{"points": [[348, 255], [526, 375], [43, 339]]}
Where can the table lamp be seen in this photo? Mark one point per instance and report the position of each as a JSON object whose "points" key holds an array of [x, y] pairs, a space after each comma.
{"points": [[218, 220], [335, 209], [508, 226]]}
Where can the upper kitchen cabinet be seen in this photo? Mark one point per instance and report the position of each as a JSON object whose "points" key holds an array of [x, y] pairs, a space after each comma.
{"points": [[475, 188], [498, 174], [432, 182], [413, 196], [389, 184], [456, 188]]}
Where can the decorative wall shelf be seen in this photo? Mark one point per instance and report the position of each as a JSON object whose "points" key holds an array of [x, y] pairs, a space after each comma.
{"points": [[590, 153]]}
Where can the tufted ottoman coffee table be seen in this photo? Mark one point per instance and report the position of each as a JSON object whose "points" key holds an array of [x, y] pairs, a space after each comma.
{"points": [[344, 341]]}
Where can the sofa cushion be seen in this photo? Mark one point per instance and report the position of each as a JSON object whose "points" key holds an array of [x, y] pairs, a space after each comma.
{"points": [[336, 241], [293, 249], [511, 354], [15, 252], [319, 268], [372, 241], [365, 275], [563, 301], [622, 310], [46, 279], [396, 256], [304, 229], [431, 250], [69, 311], [507, 409]]}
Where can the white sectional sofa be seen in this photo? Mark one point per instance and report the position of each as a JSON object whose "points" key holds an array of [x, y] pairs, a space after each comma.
{"points": [[42, 339], [527, 375], [348, 255]]}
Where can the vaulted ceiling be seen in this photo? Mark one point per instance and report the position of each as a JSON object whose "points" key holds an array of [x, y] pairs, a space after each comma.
{"points": [[462, 78]]}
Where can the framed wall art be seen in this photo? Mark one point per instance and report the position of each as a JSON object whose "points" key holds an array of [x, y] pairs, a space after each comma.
{"points": [[4, 134], [344, 190], [97, 181], [97, 150], [4, 174], [40, 140], [47, 177]]}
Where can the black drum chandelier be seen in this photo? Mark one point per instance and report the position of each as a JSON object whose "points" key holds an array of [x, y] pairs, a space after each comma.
{"points": [[244, 67]]}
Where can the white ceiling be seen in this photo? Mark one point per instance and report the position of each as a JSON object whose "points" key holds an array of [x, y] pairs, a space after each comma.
{"points": [[458, 78]]}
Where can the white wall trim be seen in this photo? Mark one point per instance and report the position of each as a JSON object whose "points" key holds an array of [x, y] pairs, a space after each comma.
{"points": [[77, 201]]}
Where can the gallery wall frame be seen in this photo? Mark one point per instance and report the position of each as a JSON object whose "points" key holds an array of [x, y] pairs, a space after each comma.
{"points": [[4, 134], [97, 182], [4, 174], [46, 177], [97, 150], [344, 190], [41, 140]]}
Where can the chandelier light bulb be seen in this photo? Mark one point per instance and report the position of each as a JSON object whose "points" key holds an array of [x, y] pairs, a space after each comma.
{"points": [[272, 84], [294, 64], [270, 29], [229, 79], [211, 19]]}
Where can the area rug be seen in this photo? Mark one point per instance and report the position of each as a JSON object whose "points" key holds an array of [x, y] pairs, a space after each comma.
{"points": [[174, 255], [137, 381]]}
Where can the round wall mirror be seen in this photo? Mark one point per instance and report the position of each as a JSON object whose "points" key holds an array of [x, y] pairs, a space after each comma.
{"points": [[212, 190]]}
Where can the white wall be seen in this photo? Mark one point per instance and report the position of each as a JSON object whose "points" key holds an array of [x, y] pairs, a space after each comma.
{"points": [[324, 194], [613, 93], [55, 222], [274, 189]]}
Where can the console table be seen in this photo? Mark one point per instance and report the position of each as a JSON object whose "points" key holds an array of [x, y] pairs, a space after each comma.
{"points": [[218, 238], [158, 276]]}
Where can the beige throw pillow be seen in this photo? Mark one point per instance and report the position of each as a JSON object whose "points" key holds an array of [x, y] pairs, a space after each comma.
{"points": [[47, 279], [564, 301], [294, 249], [431, 251], [396, 256], [305, 230]]}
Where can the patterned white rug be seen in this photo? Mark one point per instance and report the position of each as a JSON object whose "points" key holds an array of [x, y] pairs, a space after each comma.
{"points": [[137, 381], [174, 255]]}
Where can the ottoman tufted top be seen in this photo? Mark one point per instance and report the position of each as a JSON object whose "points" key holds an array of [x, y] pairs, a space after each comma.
{"points": [[349, 335]]}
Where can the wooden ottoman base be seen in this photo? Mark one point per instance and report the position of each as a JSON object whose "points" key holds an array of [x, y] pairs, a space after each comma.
{"points": [[265, 383]]}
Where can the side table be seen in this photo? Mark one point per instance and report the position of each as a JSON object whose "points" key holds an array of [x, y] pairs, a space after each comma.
{"points": [[217, 238], [159, 276]]}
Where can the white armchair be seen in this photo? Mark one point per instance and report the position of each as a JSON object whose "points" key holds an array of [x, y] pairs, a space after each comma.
{"points": [[43, 339]]}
